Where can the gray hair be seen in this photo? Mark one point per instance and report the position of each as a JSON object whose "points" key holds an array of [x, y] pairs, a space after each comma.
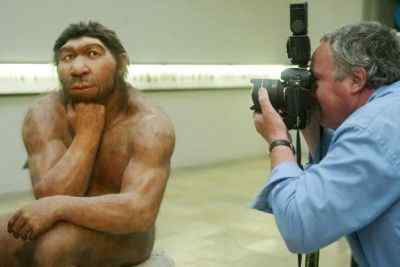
{"points": [[369, 45]]}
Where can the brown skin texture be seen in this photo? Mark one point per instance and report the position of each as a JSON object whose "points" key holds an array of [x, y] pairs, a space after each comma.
{"points": [[99, 158]]}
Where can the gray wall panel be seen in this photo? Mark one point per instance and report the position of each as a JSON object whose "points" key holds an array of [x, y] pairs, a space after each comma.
{"points": [[173, 31]]}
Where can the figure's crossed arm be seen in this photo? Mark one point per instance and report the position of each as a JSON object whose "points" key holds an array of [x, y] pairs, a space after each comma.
{"points": [[134, 209]]}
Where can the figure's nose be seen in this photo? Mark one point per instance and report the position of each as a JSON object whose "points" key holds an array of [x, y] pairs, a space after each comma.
{"points": [[79, 67]]}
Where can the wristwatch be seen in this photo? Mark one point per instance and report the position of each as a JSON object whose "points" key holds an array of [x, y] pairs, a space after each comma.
{"points": [[281, 142]]}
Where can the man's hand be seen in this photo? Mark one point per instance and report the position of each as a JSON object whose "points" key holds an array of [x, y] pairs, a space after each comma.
{"points": [[32, 220], [269, 123], [86, 117]]}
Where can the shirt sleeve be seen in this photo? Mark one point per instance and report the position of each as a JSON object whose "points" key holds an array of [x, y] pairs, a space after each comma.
{"points": [[350, 187]]}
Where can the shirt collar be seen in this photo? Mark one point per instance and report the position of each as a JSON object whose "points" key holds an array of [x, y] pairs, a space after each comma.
{"points": [[384, 90]]}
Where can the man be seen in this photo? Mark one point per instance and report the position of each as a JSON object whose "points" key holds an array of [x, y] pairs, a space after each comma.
{"points": [[99, 158], [352, 187]]}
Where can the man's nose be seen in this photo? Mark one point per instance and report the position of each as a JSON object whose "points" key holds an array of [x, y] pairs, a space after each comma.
{"points": [[79, 67]]}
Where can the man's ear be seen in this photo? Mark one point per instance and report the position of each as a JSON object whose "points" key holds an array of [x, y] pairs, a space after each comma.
{"points": [[359, 79]]}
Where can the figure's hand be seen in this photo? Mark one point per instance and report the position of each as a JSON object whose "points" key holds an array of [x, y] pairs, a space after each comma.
{"points": [[32, 220], [86, 117], [269, 123]]}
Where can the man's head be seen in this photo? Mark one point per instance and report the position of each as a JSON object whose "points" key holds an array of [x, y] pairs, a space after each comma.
{"points": [[91, 61], [349, 64], [368, 45]]}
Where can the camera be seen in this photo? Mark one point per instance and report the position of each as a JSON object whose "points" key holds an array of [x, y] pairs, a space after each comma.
{"points": [[292, 95]]}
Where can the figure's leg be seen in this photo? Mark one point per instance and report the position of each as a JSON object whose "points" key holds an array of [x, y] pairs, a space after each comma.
{"points": [[13, 252], [67, 245]]}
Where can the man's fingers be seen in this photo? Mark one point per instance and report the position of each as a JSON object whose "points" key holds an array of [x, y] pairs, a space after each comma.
{"points": [[263, 98]]}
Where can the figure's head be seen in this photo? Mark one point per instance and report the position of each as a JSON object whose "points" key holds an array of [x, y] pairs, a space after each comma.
{"points": [[349, 64], [91, 61]]}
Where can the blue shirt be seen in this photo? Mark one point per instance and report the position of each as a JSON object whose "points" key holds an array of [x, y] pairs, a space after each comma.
{"points": [[353, 191]]}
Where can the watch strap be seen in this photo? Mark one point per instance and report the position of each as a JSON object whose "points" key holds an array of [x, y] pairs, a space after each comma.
{"points": [[280, 142]]}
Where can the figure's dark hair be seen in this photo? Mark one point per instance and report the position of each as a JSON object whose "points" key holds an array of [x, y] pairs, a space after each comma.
{"points": [[90, 29], [369, 45]]}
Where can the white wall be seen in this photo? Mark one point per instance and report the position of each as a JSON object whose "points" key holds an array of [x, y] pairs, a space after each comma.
{"points": [[173, 31]]}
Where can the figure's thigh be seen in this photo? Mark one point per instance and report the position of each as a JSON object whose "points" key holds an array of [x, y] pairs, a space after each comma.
{"points": [[84, 247]]}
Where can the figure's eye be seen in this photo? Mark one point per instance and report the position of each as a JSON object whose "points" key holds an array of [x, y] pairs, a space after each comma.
{"points": [[66, 57], [93, 53]]}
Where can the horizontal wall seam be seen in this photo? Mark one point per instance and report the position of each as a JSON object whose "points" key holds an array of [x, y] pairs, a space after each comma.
{"points": [[41, 78]]}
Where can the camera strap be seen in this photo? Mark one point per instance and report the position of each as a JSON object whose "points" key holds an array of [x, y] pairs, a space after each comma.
{"points": [[312, 259], [298, 149]]}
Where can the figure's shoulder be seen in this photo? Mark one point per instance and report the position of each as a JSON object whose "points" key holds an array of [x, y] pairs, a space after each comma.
{"points": [[149, 124], [145, 113], [44, 112], [51, 102]]}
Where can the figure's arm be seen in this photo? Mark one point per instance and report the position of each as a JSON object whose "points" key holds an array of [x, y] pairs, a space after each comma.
{"points": [[144, 180], [54, 168], [134, 209]]}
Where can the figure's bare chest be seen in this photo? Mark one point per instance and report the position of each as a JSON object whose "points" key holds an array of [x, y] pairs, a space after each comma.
{"points": [[112, 158]]}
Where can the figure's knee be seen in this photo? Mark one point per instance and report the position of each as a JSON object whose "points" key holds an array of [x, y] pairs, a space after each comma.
{"points": [[58, 247]]}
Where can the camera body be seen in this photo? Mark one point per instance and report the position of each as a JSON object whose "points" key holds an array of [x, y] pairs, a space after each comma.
{"points": [[292, 95]]}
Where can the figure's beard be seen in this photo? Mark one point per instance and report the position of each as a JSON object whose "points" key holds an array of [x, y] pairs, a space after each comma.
{"points": [[103, 91]]}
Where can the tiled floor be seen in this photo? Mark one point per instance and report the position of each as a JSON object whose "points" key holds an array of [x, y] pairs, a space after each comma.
{"points": [[205, 220]]}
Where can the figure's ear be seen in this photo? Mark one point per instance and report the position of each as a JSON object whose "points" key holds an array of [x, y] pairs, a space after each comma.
{"points": [[359, 79], [123, 62], [124, 59]]}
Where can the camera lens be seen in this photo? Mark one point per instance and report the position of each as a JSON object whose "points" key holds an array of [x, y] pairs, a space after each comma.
{"points": [[276, 95], [275, 90]]}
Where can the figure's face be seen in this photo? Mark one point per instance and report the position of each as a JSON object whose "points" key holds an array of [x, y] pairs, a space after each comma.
{"points": [[333, 95], [86, 69]]}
